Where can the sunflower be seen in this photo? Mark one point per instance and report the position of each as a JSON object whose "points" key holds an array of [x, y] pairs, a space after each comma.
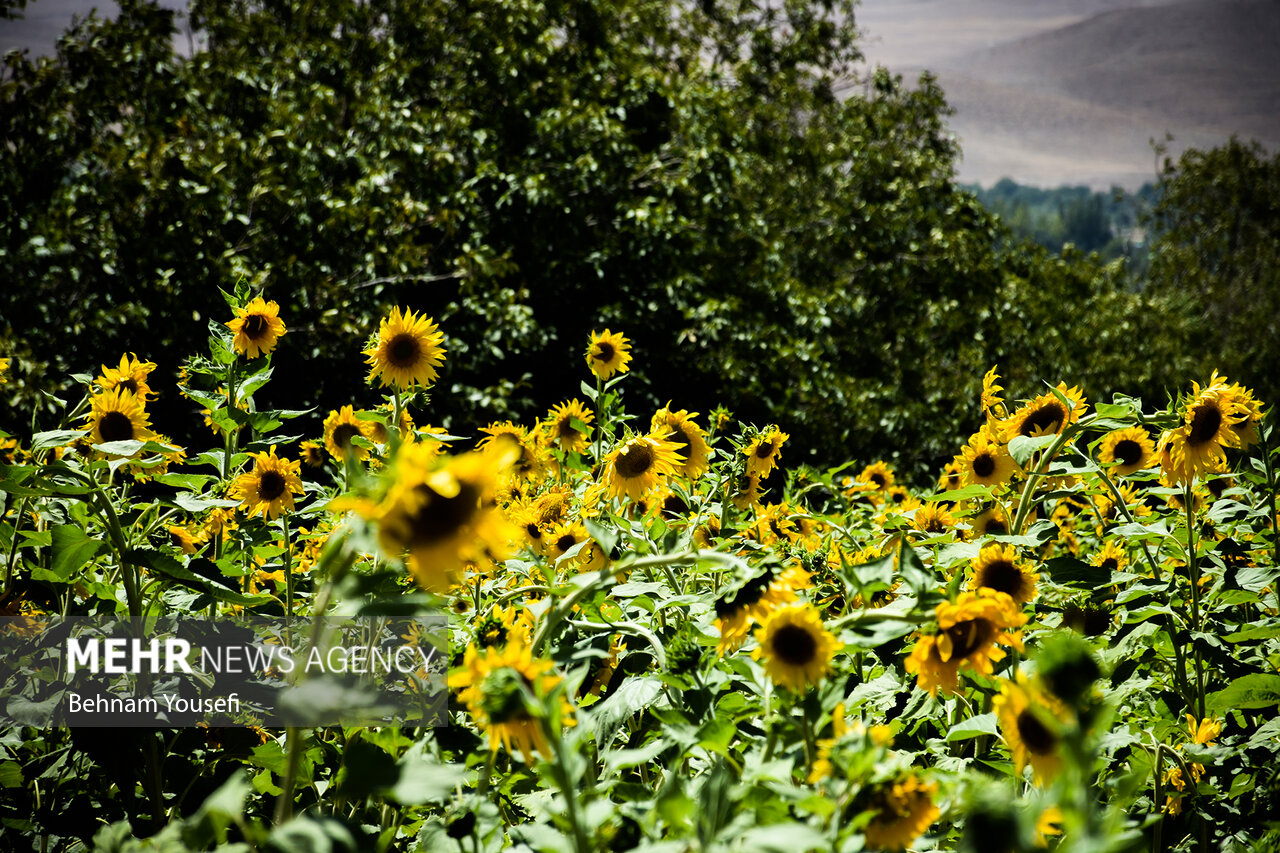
{"points": [[1030, 719], [182, 538], [903, 809], [443, 511], [257, 327], [690, 441], [118, 415], [1046, 414], [968, 634], [567, 535], [131, 375], [755, 598], [746, 491], [1129, 450], [1212, 417], [1091, 620], [933, 518], [951, 478], [993, 521], [269, 488], [339, 428], [1206, 731], [984, 460], [1246, 430], [561, 431], [503, 690], [531, 463], [879, 475], [763, 450], [608, 353], [1112, 557], [407, 350], [312, 453], [992, 403], [501, 625], [998, 567], [796, 646], [639, 467]]}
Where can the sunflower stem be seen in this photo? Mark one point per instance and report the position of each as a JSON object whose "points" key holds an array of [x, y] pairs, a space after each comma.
{"points": [[288, 580], [13, 549], [807, 725], [1193, 572], [1128, 516], [1033, 478], [1264, 433], [600, 423], [293, 752]]}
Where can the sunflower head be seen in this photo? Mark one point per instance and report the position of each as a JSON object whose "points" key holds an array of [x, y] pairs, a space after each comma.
{"points": [[608, 353], [998, 567], [969, 632], [269, 487], [568, 426], [639, 467], [256, 327], [1047, 414], [340, 428], [903, 809], [1129, 450], [985, 460], [796, 646], [1031, 722], [879, 475], [992, 402], [690, 441], [312, 453], [407, 350], [4, 370], [118, 415], [130, 375], [933, 518]]}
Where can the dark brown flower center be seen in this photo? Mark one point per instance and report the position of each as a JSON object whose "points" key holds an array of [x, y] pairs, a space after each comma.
{"points": [[879, 480], [996, 527], [1110, 564], [255, 326], [271, 485], [1204, 424], [969, 636], [564, 428], [765, 449], [604, 352], [115, 426], [565, 542], [343, 433], [1047, 418], [128, 385], [1035, 734], [679, 438], [794, 645], [984, 465], [404, 350], [533, 530], [635, 461], [440, 517], [1128, 452], [1002, 576]]}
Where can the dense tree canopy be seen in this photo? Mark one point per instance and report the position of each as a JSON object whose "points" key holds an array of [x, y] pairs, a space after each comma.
{"points": [[524, 173]]}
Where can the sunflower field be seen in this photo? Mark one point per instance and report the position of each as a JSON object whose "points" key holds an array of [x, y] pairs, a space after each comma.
{"points": [[660, 636]]}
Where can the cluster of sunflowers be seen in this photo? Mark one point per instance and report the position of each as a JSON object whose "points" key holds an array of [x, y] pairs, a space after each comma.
{"points": [[621, 593]]}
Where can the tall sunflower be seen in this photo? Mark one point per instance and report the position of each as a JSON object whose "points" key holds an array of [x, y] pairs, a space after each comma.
{"points": [[933, 518], [1046, 414], [131, 375], [1129, 450], [985, 460], [903, 809], [443, 511], [690, 441], [998, 567], [1030, 720], [407, 350], [257, 327], [561, 430], [340, 427], [639, 467], [608, 353], [268, 488], [796, 646], [969, 633], [762, 451], [118, 415], [503, 689], [1209, 424]]}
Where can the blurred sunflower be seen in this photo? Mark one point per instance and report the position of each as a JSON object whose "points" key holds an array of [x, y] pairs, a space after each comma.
{"points": [[531, 461], [443, 512], [879, 475], [1046, 414], [503, 689], [903, 809], [118, 415], [312, 453], [1112, 557], [991, 521], [269, 488], [608, 353], [339, 428], [1030, 719], [1129, 450], [933, 518], [998, 567], [638, 467], [561, 430], [131, 375], [746, 491], [182, 538], [951, 478], [984, 460], [4, 370], [407, 350], [969, 633], [690, 441], [762, 451], [796, 646], [257, 327]]}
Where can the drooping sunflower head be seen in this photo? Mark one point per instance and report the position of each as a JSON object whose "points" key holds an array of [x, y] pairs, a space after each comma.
{"points": [[340, 428], [690, 441], [763, 450], [903, 809], [1030, 722], [257, 327], [608, 353], [985, 460], [1046, 414], [270, 486], [131, 375], [408, 350], [568, 426], [640, 466], [998, 567], [1250, 407], [118, 415], [797, 648], [1129, 450], [969, 632]]}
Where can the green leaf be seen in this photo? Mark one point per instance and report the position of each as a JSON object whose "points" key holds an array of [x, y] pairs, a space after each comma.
{"points": [[166, 565], [1069, 570], [1021, 447], [983, 724], [1258, 690], [54, 438], [72, 548]]}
